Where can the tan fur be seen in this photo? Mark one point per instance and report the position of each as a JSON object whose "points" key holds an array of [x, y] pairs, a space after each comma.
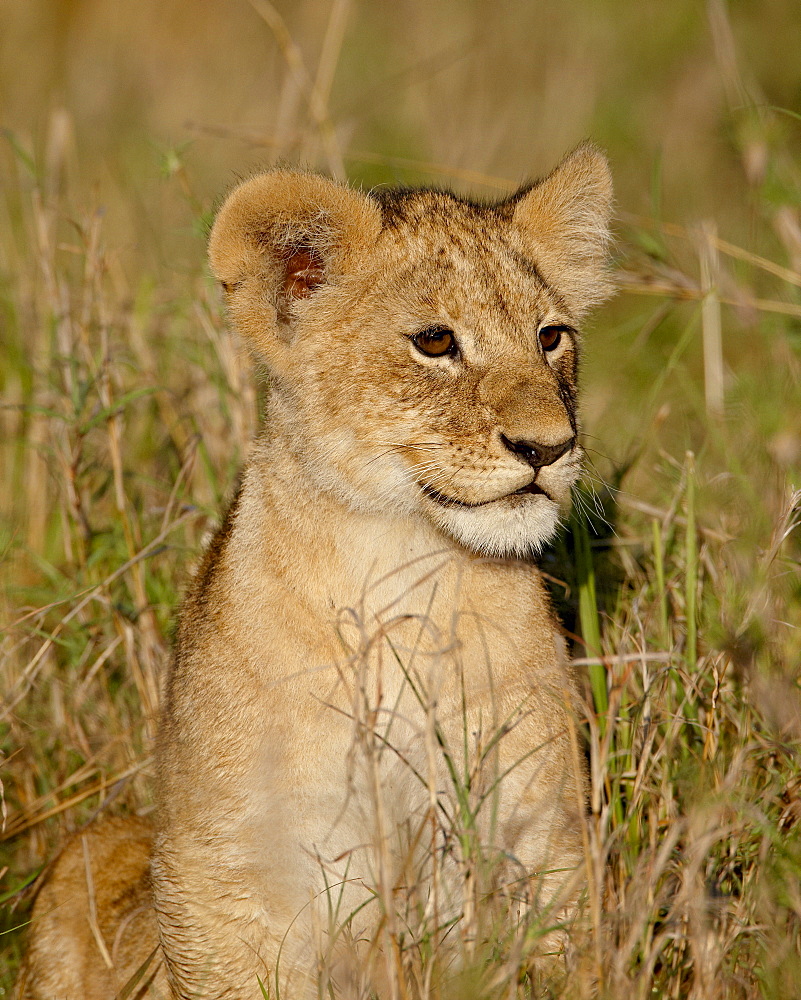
{"points": [[93, 924], [373, 577]]}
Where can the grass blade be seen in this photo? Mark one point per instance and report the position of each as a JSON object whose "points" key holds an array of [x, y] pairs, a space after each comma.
{"points": [[588, 613]]}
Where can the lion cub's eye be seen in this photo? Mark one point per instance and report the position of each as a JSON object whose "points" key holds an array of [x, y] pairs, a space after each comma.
{"points": [[551, 337], [436, 342]]}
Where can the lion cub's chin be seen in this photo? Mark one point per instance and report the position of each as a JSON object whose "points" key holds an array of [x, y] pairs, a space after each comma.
{"points": [[513, 526]]}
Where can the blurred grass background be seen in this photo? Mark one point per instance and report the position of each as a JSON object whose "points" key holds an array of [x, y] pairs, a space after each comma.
{"points": [[127, 407]]}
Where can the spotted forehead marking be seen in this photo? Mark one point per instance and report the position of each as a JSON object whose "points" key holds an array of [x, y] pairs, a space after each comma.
{"points": [[443, 233]]}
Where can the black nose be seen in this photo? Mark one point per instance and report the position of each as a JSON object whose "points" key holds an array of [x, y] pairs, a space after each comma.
{"points": [[538, 455]]}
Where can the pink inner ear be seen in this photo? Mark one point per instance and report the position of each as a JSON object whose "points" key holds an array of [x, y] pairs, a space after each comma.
{"points": [[304, 272]]}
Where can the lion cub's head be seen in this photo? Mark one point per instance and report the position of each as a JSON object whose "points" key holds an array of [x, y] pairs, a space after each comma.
{"points": [[422, 348]]}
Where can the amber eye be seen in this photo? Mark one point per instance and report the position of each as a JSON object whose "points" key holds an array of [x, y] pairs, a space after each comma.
{"points": [[436, 342], [551, 337]]}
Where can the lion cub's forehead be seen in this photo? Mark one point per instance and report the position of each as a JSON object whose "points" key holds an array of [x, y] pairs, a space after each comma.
{"points": [[459, 252], [429, 218]]}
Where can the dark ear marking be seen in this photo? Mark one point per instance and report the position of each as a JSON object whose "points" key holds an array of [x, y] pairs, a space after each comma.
{"points": [[303, 272], [278, 237]]}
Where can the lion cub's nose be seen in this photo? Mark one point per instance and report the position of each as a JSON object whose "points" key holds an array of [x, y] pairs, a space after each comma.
{"points": [[538, 455]]}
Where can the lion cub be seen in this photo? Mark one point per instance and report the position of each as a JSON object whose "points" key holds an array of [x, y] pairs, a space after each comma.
{"points": [[368, 717]]}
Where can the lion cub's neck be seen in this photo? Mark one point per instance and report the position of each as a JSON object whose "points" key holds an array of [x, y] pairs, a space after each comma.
{"points": [[325, 550]]}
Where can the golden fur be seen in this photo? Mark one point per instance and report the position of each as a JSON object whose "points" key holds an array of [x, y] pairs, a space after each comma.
{"points": [[369, 609]]}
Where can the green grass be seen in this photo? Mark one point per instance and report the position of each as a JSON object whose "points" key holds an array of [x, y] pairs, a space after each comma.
{"points": [[128, 408]]}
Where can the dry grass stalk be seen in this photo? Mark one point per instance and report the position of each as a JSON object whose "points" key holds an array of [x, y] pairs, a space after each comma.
{"points": [[711, 321]]}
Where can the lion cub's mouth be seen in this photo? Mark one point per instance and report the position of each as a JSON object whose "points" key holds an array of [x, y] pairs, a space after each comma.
{"points": [[531, 489]]}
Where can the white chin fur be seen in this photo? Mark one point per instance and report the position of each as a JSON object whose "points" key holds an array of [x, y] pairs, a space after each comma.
{"points": [[500, 529]]}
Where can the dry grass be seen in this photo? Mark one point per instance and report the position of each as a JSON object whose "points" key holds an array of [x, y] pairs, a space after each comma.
{"points": [[127, 410]]}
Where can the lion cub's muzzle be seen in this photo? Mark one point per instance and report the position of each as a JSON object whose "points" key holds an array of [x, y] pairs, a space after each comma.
{"points": [[539, 455]]}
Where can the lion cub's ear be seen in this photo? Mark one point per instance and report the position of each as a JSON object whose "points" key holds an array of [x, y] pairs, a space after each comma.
{"points": [[564, 221], [277, 238]]}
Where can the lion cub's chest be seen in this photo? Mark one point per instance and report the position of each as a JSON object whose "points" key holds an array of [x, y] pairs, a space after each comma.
{"points": [[385, 597]]}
